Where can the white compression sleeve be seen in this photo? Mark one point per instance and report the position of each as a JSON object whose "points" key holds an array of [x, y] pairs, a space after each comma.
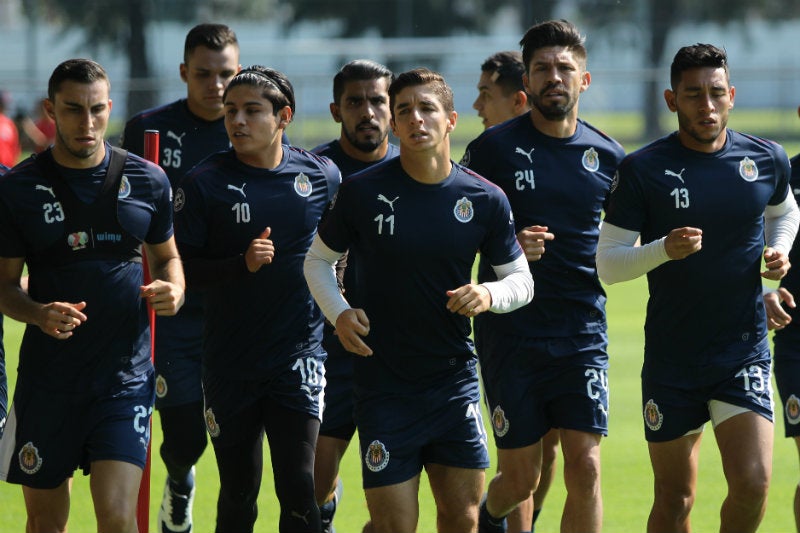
{"points": [[619, 260], [513, 288], [320, 272], [780, 224]]}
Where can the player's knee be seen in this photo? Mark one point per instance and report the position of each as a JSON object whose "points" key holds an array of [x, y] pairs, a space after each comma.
{"points": [[183, 452], [45, 524], [121, 519], [583, 471], [750, 491], [674, 501], [457, 517]]}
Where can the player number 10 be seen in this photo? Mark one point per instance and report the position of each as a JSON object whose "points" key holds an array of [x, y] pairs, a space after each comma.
{"points": [[242, 211]]}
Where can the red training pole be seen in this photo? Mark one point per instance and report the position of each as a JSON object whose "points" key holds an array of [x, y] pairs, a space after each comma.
{"points": [[151, 138]]}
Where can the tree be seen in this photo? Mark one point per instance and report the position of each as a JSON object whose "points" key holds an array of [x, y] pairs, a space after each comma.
{"points": [[658, 18], [123, 24]]}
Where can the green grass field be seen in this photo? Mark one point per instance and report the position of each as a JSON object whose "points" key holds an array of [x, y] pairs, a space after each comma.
{"points": [[627, 481]]}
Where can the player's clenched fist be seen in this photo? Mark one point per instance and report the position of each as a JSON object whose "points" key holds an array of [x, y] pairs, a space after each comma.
{"points": [[683, 242]]}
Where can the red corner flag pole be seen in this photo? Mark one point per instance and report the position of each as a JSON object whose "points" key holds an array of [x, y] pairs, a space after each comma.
{"points": [[143, 507]]}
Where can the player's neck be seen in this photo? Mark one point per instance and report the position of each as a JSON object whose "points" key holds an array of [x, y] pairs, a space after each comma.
{"points": [[688, 141], [560, 129], [429, 167], [208, 116], [359, 155], [269, 158], [66, 159]]}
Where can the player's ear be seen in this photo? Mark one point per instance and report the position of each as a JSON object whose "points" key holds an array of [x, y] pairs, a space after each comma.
{"points": [[525, 81], [183, 71], [337, 117], [669, 97], [520, 102], [586, 80], [394, 129], [285, 116], [451, 121], [49, 108]]}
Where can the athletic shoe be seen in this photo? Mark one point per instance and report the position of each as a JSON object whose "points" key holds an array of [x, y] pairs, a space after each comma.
{"points": [[328, 510], [175, 515], [489, 524]]}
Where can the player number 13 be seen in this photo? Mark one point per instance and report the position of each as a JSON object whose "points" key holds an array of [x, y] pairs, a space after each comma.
{"points": [[681, 196]]}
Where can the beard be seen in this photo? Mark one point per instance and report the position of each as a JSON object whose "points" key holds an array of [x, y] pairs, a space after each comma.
{"points": [[553, 111], [366, 145]]}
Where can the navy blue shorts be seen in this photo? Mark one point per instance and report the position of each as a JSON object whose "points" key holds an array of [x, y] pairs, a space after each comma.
{"points": [[534, 385], [51, 434], [403, 428], [337, 414], [787, 377], [671, 410], [178, 360], [229, 416]]}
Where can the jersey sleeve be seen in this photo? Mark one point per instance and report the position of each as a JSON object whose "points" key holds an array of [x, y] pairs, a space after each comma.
{"points": [[501, 245], [11, 244], [783, 173], [161, 227], [626, 205], [132, 138], [190, 212], [335, 228], [475, 157]]}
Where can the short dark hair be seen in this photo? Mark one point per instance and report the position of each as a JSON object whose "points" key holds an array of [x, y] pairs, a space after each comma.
{"points": [[697, 56], [213, 36], [552, 33], [359, 70], [275, 86], [78, 70], [422, 76], [507, 68]]}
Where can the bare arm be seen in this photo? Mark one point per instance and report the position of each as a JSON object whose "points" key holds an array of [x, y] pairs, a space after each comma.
{"points": [[165, 292], [57, 319]]}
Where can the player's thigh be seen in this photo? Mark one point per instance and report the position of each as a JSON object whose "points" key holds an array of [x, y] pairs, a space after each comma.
{"points": [[326, 465], [48, 509], [115, 488], [745, 443], [521, 465], [457, 492], [394, 508], [675, 463]]}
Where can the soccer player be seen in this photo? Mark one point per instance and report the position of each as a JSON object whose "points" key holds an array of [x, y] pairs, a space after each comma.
{"points": [[190, 129], [787, 339], [545, 366], [501, 93], [78, 215], [501, 97], [244, 220], [415, 224], [677, 193], [361, 105]]}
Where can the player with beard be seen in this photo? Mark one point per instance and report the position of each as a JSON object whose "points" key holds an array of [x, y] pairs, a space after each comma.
{"points": [[545, 365], [361, 105]]}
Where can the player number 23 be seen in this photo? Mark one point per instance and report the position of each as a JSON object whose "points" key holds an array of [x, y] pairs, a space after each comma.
{"points": [[53, 212]]}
